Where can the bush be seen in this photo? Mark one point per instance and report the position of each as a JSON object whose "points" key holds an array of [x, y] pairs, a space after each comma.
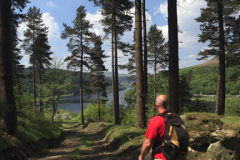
{"points": [[196, 105], [232, 106], [91, 111]]}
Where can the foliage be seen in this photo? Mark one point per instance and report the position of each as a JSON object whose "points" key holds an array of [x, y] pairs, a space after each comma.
{"points": [[55, 85], [195, 105], [232, 106], [91, 111], [210, 26], [31, 127]]}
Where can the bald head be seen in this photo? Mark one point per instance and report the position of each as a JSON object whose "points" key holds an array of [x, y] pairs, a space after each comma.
{"points": [[161, 100]]}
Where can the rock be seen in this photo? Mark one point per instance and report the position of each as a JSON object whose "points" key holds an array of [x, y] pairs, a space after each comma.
{"points": [[220, 152], [214, 147], [228, 133]]}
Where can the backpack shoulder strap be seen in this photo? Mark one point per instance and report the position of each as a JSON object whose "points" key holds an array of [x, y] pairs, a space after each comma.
{"points": [[164, 114]]}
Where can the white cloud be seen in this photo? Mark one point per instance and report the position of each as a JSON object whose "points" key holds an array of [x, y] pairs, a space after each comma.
{"points": [[191, 56], [188, 11], [51, 4], [164, 31], [94, 19], [52, 26]]}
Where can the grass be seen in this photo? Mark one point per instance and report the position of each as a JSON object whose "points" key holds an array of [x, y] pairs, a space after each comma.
{"points": [[31, 127]]}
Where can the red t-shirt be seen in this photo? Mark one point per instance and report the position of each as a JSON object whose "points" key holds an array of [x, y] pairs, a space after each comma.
{"points": [[155, 132]]}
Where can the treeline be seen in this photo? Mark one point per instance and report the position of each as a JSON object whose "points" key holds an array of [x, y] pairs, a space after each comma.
{"points": [[200, 80], [27, 83], [204, 79]]}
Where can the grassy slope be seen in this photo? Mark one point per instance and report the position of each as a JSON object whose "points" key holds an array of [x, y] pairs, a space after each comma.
{"points": [[31, 127]]}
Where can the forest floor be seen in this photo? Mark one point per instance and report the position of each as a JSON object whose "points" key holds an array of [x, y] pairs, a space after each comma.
{"points": [[86, 143]]}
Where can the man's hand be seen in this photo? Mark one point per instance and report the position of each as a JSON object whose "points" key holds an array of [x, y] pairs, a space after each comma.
{"points": [[140, 158]]}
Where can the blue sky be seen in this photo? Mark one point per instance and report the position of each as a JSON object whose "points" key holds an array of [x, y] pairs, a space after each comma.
{"points": [[57, 12]]}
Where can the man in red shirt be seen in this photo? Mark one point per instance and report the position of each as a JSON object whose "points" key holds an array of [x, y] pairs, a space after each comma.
{"points": [[155, 130]]}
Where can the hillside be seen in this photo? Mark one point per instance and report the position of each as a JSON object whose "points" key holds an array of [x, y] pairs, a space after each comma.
{"points": [[203, 80], [214, 61], [27, 81]]}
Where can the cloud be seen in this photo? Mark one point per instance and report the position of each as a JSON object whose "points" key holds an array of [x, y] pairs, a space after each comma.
{"points": [[94, 19], [191, 56], [52, 26], [188, 11], [51, 4]]}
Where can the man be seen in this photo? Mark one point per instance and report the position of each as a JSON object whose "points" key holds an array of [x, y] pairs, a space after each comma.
{"points": [[155, 129]]}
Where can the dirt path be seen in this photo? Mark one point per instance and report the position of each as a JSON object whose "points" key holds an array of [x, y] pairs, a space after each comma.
{"points": [[99, 148], [72, 138]]}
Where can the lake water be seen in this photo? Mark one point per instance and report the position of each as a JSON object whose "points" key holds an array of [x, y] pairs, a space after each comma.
{"points": [[73, 102]]}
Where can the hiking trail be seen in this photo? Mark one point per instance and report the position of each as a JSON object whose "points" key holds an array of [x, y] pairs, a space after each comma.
{"points": [[100, 148]]}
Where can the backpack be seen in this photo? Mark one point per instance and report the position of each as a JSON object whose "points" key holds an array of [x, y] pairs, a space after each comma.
{"points": [[175, 137]]}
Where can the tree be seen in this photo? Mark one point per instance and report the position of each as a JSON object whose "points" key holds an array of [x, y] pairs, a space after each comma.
{"points": [[43, 58], [8, 106], [157, 52], [213, 18], [173, 57], [145, 55], [139, 66], [97, 71], [78, 45], [55, 85], [116, 21], [35, 27]]}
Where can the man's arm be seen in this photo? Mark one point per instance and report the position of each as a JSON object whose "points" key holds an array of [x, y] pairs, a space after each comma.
{"points": [[147, 144]]}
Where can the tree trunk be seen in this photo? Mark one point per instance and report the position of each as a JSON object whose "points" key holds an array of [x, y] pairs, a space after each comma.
{"points": [[139, 66], [218, 93], [54, 111], [34, 84], [8, 109], [221, 107], [81, 92], [154, 91], [40, 95], [116, 69], [98, 107], [113, 86], [173, 57], [145, 58]]}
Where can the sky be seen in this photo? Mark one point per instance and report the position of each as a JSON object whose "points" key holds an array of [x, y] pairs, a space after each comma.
{"points": [[57, 12]]}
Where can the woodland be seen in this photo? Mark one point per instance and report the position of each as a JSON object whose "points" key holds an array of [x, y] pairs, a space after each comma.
{"points": [[47, 80]]}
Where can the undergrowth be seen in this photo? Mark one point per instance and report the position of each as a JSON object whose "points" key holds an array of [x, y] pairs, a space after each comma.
{"points": [[31, 127]]}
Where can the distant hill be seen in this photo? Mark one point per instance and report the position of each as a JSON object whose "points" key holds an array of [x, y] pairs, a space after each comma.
{"points": [[214, 61]]}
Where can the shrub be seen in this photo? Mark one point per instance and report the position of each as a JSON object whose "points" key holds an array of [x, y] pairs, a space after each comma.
{"points": [[232, 106], [196, 105]]}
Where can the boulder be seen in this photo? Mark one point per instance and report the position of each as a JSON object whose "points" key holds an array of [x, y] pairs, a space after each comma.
{"points": [[220, 152]]}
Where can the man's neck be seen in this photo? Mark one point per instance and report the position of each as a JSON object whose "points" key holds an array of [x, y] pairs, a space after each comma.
{"points": [[161, 110]]}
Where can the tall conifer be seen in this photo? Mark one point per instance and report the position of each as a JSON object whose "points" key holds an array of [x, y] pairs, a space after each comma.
{"points": [[35, 27], [78, 45]]}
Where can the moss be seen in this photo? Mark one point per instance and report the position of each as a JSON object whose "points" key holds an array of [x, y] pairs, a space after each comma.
{"points": [[202, 123]]}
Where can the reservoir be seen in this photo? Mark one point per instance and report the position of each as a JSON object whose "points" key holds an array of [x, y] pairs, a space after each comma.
{"points": [[73, 102]]}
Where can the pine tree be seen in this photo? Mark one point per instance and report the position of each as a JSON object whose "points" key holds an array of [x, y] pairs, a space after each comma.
{"points": [[78, 45], [8, 106], [157, 56], [145, 54], [139, 66], [43, 58], [97, 71], [35, 27], [213, 19], [116, 21], [173, 56]]}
